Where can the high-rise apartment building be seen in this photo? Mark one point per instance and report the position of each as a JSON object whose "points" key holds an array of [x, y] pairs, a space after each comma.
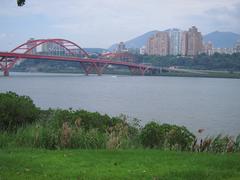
{"points": [[208, 48], [31, 43], [237, 47], [158, 44], [184, 43], [150, 46], [51, 48], [194, 42], [174, 41], [121, 47]]}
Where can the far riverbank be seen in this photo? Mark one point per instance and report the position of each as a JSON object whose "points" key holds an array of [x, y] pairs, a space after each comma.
{"points": [[174, 73]]}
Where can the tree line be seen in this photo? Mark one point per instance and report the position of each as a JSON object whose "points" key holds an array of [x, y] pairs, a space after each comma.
{"points": [[215, 62]]}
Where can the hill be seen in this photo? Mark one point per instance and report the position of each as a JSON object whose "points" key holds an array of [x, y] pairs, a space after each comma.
{"points": [[95, 50], [222, 39], [136, 42]]}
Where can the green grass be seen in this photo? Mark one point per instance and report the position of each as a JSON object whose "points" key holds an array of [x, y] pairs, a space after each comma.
{"points": [[121, 164]]}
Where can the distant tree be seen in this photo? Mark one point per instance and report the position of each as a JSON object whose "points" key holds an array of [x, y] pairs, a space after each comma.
{"points": [[20, 2]]}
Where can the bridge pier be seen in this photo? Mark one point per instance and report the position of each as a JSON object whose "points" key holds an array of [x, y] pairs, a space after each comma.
{"points": [[6, 72]]}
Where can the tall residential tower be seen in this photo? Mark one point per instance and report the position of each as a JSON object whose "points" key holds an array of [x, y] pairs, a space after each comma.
{"points": [[194, 39], [158, 44], [174, 41]]}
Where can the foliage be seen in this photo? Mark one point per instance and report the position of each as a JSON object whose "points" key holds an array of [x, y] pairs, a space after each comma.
{"points": [[92, 139], [23, 125], [152, 135], [218, 144], [202, 61], [20, 2], [6, 139], [176, 137], [117, 135], [166, 136], [16, 111], [237, 143], [81, 118], [74, 129]]}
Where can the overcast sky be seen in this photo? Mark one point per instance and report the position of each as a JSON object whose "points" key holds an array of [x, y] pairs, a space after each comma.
{"points": [[100, 23]]}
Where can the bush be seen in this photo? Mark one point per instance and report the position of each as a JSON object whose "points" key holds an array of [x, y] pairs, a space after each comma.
{"points": [[152, 135], [177, 137], [6, 139], [16, 111], [92, 139], [84, 119]]}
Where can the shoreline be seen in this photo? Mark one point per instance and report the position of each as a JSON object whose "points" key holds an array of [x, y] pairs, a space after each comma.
{"points": [[194, 73]]}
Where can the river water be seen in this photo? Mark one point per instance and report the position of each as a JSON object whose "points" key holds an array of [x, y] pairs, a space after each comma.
{"points": [[208, 103]]}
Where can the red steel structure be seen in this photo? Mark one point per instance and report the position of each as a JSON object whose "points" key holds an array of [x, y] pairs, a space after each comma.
{"points": [[73, 53]]}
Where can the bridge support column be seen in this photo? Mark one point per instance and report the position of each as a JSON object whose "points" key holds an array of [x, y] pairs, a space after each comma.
{"points": [[137, 70], [87, 67], [142, 70], [4, 66], [132, 70], [97, 69], [6, 72], [100, 68]]}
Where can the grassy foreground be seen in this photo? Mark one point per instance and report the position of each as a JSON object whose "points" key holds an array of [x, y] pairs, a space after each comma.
{"points": [[121, 164]]}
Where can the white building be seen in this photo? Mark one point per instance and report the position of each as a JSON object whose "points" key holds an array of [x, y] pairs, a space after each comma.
{"points": [[142, 50], [237, 47], [174, 41]]}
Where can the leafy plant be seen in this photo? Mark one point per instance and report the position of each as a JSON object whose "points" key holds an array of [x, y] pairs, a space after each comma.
{"points": [[152, 135], [16, 111], [20, 2]]}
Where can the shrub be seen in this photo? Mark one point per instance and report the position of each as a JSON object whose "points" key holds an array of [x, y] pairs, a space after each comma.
{"points": [[220, 143], [16, 111], [177, 137], [92, 139], [237, 143], [84, 119], [152, 135], [118, 136], [166, 136], [6, 139]]}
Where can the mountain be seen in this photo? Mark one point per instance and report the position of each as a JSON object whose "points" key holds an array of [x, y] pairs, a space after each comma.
{"points": [[222, 39], [219, 39], [137, 42], [95, 50]]}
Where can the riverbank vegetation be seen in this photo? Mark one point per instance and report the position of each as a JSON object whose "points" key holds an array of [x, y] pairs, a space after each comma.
{"points": [[25, 125], [220, 62]]}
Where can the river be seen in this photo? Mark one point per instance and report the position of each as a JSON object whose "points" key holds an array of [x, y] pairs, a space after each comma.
{"points": [[209, 103]]}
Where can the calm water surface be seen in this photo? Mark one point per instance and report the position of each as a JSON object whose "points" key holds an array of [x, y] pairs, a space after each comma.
{"points": [[212, 104]]}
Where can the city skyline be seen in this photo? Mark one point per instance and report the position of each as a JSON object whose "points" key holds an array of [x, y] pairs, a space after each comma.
{"points": [[101, 24], [175, 42]]}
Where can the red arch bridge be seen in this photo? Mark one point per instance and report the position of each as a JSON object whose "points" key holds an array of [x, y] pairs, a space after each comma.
{"points": [[69, 51]]}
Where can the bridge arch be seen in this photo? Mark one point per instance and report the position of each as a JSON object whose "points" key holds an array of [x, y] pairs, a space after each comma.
{"points": [[30, 45], [61, 42]]}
